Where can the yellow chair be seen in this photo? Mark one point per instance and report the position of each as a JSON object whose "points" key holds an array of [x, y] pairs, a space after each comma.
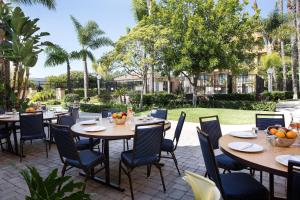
{"points": [[203, 188]]}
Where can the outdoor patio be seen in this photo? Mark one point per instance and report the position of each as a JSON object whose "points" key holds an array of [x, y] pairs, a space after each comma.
{"points": [[12, 185]]}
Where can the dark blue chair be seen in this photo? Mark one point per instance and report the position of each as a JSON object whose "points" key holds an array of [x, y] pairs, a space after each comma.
{"points": [[31, 128], [105, 112], [81, 144], [231, 185], [159, 113], [75, 113], [263, 121], [146, 151], [86, 160], [293, 180], [171, 145], [5, 135], [211, 126]]}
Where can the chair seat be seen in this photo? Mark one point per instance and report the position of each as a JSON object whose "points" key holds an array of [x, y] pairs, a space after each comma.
{"points": [[167, 145], [88, 159], [225, 162], [33, 137], [242, 186], [126, 157], [83, 144]]}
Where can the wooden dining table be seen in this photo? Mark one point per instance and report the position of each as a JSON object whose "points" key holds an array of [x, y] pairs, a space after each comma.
{"points": [[10, 118], [112, 132], [263, 161]]}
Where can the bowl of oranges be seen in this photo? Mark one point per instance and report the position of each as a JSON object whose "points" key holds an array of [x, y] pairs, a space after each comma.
{"points": [[281, 136], [119, 118]]}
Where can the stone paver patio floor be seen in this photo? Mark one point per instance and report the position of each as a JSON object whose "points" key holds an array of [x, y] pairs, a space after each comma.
{"points": [[12, 185]]}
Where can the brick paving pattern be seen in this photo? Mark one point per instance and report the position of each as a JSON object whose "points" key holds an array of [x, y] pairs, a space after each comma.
{"points": [[13, 187]]}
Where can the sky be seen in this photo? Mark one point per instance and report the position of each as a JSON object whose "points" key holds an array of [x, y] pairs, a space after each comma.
{"points": [[112, 16]]}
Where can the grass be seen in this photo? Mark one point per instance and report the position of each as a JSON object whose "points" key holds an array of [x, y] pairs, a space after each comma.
{"points": [[226, 116]]}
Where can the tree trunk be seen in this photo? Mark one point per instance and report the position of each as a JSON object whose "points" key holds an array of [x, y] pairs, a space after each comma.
{"points": [[69, 84], [85, 78], [284, 71], [152, 79], [294, 49], [169, 83], [25, 85], [194, 84], [275, 85], [20, 82], [142, 91], [298, 37], [16, 64]]}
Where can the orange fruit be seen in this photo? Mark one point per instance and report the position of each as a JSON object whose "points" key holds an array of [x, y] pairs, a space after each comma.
{"points": [[280, 134], [291, 134], [115, 115], [123, 117], [273, 131]]}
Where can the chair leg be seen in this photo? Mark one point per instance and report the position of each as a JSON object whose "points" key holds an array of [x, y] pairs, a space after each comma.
{"points": [[161, 176], [148, 170], [130, 183], [63, 171], [205, 175], [127, 144], [261, 176], [21, 150], [87, 176], [46, 144], [175, 161], [120, 165], [2, 149]]}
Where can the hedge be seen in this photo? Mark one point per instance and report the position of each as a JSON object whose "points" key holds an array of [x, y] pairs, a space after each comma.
{"points": [[97, 108], [233, 97], [241, 105], [276, 95], [80, 92]]}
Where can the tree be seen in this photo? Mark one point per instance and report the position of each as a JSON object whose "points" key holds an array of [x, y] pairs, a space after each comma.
{"points": [[22, 46], [90, 37], [136, 51], [208, 35], [56, 55], [4, 64], [291, 5], [105, 66]]}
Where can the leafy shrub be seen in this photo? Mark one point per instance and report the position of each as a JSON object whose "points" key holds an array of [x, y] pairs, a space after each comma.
{"points": [[105, 96], [97, 108], [52, 102], [276, 95], [53, 186], [233, 97], [70, 98], [80, 92], [43, 95], [242, 105], [158, 99]]}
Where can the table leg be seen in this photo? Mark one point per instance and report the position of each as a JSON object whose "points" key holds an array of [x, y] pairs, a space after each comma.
{"points": [[106, 181], [271, 188], [15, 139]]}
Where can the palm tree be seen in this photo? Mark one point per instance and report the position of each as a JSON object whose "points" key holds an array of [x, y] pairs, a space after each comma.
{"points": [[50, 4], [90, 37], [291, 6], [56, 55]]}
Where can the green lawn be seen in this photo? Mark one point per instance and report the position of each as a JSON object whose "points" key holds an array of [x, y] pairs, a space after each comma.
{"points": [[226, 116]]}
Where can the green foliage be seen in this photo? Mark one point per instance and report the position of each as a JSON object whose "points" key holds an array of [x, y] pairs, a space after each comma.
{"points": [[50, 4], [276, 95], [241, 105], [105, 96], [97, 108], [233, 97], [271, 60], [70, 98], [52, 102], [80, 92], [52, 187], [42, 96]]}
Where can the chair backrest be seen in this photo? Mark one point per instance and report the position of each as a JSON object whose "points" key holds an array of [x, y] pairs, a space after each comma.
{"points": [[159, 113], [203, 188], [2, 111], [147, 140], [66, 120], [64, 142], [211, 126], [293, 180], [75, 114], [105, 112], [209, 158], [263, 121], [179, 128], [32, 124]]}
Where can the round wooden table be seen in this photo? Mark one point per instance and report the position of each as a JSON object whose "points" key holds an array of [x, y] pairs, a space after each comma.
{"points": [[263, 161], [112, 132], [13, 119]]}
